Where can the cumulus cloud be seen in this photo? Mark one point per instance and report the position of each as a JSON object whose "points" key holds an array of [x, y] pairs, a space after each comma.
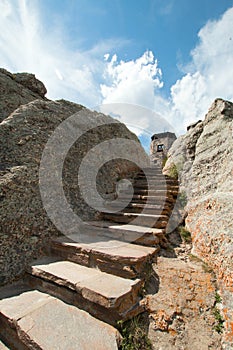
{"points": [[209, 74], [134, 81], [130, 85], [96, 76], [26, 44]]}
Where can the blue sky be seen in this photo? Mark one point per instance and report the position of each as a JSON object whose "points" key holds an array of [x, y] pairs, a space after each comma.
{"points": [[173, 57], [167, 27]]}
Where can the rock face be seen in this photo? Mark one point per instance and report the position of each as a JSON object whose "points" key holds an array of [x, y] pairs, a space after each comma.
{"points": [[36, 320], [18, 89], [28, 120], [180, 313], [204, 159]]}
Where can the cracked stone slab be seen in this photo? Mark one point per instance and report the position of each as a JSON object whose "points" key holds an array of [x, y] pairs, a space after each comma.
{"points": [[92, 284], [113, 256], [114, 248], [137, 234], [43, 322], [3, 346], [155, 221]]}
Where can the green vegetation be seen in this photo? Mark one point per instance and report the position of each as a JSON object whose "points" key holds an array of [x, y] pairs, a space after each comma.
{"points": [[147, 277], [182, 199], [206, 268], [185, 234], [219, 320], [218, 317], [195, 258], [173, 172], [164, 161], [218, 299], [134, 334]]}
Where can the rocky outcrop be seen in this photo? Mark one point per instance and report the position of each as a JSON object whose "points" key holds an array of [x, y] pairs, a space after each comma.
{"points": [[181, 312], [204, 160], [18, 89], [28, 121]]}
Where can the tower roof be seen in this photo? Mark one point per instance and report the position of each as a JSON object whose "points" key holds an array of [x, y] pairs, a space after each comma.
{"points": [[163, 134]]}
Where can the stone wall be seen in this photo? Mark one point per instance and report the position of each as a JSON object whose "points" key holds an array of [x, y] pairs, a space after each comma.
{"points": [[28, 120], [160, 145], [204, 159]]}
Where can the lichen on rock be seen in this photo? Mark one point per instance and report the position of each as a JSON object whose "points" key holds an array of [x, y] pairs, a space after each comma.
{"points": [[28, 120], [206, 177]]}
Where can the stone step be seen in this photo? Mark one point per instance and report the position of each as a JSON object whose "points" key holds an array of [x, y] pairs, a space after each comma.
{"points": [[163, 208], [147, 210], [116, 206], [153, 191], [31, 319], [156, 180], [156, 185], [3, 346], [156, 221], [107, 297], [112, 256], [136, 234], [156, 170], [138, 207], [150, 175], [141, 235], [150, 206], [155, 199], [154, 175]]}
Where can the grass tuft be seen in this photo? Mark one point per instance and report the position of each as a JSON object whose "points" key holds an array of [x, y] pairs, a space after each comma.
{"points": [[185, 234], [134, 334]]}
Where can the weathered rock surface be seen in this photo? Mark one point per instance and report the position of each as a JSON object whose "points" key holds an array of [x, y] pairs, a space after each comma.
{"points": [[204, 158], [18, 89], [31, 319], [181, 312], [3, 346], [28, 122], [111, 256], [109, 298]]}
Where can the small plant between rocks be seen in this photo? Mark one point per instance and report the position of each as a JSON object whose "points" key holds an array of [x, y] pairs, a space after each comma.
{"points": [[148, 275], [219, 320], [182, 199], [173, 172], [134, 334], [217, 314], [185, 234], [164, 161], [218, 299]]}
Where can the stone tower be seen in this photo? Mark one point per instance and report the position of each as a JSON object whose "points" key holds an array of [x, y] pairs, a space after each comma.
{"points": [[160, 144]]}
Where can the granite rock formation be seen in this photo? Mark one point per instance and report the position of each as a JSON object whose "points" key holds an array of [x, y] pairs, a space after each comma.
{"points": [[204, 160], [18, 89], [27, 121]]}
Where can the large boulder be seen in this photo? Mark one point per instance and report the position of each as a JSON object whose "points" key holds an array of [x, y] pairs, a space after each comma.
{"points": [[204, 160], [18, 89], [25, 227]]}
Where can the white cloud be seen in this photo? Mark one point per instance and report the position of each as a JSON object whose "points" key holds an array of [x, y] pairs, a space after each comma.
{"points": [[26, 44], [106, 56], [128, 86], [209, 74], [95, 76], [134, 81]]}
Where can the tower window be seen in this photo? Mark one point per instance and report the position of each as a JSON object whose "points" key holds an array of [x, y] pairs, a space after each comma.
{"points": [[160, 148]]}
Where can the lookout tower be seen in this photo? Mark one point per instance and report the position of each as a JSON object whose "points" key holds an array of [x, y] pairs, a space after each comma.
{"points": [[160, 144]]}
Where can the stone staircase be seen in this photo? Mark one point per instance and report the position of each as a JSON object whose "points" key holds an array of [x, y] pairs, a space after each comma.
{"points": [[72, 297]]}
